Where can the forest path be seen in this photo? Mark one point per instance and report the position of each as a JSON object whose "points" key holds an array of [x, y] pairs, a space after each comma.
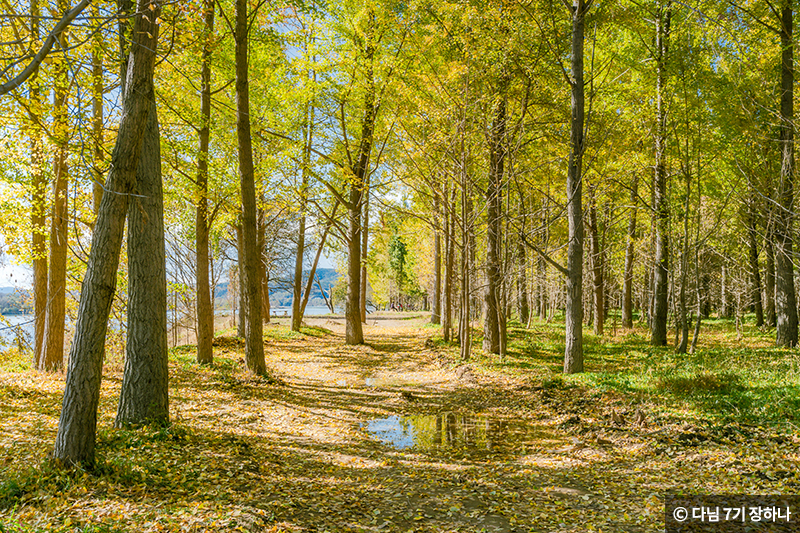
{"points": [[390, 436]]}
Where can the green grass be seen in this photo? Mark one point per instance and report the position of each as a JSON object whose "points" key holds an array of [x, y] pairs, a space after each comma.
{"points": [[728, 379]]}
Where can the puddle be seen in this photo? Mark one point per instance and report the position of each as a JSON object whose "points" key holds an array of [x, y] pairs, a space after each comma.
{"points": [[454, 431]]}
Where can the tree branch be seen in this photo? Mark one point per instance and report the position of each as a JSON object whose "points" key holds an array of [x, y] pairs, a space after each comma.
{"points": [[65, 21]]}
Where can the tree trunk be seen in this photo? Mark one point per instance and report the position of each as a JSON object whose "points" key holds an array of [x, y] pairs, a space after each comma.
{"points": [[627, 287], [494, 237], [755, 272], [465, 318], [75, 440], [726, 307], [57, 265], [683, 312], [523, 309], [542, 289], [769, 277], [661, 202], [573, 350], [254, 331], [785, 301], [598, 268], [353, 332], [144, 397], [205, 309], [38, 203], [449, 253], [362, 303], [436, 313]]}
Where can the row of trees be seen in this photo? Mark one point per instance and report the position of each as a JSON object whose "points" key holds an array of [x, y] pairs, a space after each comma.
{"points": [[453, 152]]}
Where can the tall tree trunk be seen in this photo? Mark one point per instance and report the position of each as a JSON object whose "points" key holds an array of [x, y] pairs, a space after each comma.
{"points": [[523, 307], [144, 397], [697, 285], [57, 272], [362, 303], [599, 291], [661, 203], [465, 317], [436, 313], [769, 277], [205, 310], [353, 331], [38, 203], [542, 290], [254, 331], [75, 439], [449, 253], [573, 350], [785, 300], [627, 286], [683, 312], [494, 237], [726, 304], [755, 272]]}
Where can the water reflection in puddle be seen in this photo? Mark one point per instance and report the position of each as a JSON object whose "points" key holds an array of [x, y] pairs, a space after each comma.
{"points": [[450, 430]]}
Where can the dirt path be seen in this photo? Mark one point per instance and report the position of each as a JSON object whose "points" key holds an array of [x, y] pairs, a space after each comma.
{"points": [[486, 457]]}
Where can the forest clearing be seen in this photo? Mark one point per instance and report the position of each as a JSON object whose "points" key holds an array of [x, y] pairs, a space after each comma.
{"points": [[589, 452]]}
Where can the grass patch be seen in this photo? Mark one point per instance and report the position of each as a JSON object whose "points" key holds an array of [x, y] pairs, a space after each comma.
{"points": [[702, 382]]}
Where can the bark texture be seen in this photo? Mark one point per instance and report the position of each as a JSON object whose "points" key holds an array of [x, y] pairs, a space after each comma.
{"points": [[75, 439], [144, 397], [785, 299]]}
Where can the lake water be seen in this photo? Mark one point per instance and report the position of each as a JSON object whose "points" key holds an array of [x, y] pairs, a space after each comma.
{"points": [[13, 325]]}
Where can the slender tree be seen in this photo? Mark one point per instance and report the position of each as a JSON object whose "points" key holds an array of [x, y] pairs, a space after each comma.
{"points": [[785, 300], [658, 327], [249, 252], [205, 311], [573, 351]]}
